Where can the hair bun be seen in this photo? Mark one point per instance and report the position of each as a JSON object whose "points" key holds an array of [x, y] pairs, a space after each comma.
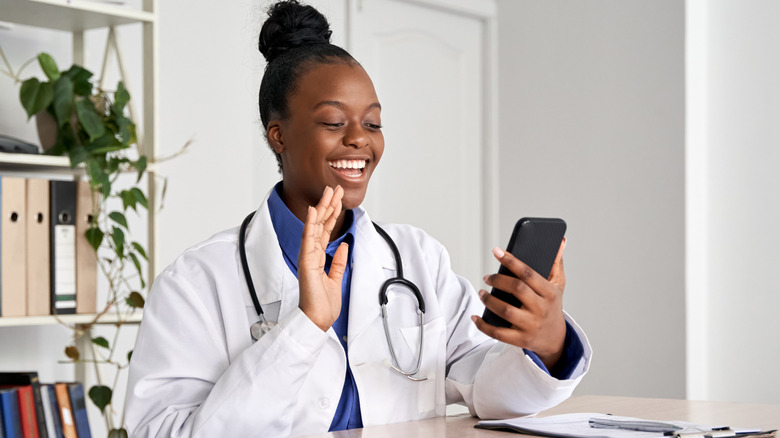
{"points": [[289, 25]]}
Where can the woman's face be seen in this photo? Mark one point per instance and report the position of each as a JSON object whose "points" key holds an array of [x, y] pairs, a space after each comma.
{"points": [[332, 136]]}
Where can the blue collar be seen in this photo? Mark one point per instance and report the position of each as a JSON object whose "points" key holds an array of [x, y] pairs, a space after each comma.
{"points": [[289, 230]]}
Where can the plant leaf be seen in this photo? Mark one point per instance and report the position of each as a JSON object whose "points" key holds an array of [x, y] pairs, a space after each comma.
{"points": [[98, 177], [118, 218], [77, 155], [35, 96], [128, 199], [140, 165], [121, 97], [101, 341], [106, 149], [140, 197], [129, 355], [140, 250], [63, 100], [89, 119], [135, 300], [80, 77], [100, 396], [95, 237], [119, 241], [137, 264], [48, 66], [72, 352]]}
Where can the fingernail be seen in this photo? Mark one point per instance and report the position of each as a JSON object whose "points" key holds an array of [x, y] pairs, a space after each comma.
{"points": [[485, 279], [474, 318], [482, 294], [498, 252], [564, 243]]}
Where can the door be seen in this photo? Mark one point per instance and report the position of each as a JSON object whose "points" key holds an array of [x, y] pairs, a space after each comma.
{"points": [[427, 66]]}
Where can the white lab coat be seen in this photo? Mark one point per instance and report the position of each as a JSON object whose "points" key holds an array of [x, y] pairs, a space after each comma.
{"points": [[196, 371]]}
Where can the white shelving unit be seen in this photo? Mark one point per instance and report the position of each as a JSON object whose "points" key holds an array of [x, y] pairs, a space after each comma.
{"points": [[76, 17]]}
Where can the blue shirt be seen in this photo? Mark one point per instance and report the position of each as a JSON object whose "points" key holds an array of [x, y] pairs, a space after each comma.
{"points": [[289, 230]]}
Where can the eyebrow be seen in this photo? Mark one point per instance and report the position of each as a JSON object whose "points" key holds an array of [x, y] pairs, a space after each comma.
{"points": [[341, 105]]}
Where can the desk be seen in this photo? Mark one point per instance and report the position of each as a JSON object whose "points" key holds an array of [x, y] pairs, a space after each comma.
{"points": [[462, 426]]}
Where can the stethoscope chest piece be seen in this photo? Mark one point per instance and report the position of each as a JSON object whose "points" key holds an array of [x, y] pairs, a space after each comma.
{"points": [[260, 328]]}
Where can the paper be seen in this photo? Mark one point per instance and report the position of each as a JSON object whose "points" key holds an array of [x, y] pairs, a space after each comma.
{"points": [[577, 426]]}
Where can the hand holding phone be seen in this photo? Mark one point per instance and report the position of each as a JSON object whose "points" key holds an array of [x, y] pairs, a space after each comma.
{"points": [[535, 242], [540, 325]]}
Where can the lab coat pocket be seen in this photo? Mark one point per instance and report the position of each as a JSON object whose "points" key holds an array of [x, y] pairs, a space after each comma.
{"points": [[430, 392]]}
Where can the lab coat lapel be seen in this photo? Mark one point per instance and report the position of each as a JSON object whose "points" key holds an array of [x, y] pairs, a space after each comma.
{"points": [[272, 278], [372, 263]]}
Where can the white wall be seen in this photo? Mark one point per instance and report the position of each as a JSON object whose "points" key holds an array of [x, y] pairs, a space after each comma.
{"points": [[736, 120], [592, 130]]}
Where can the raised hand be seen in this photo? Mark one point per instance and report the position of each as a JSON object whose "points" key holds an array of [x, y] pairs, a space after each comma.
{"points": [[320, 293], [539, 325]]}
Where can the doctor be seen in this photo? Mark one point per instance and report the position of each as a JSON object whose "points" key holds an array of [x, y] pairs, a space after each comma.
{"points": [[324, 359]]}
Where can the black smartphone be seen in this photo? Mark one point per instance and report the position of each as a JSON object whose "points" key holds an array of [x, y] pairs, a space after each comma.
{"points": [[535, 241]]}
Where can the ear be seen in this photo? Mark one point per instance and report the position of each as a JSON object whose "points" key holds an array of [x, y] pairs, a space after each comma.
{"points": [[275, 136]]}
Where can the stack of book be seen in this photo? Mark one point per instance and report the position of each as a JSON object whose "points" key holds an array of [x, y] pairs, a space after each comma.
{"points": [[30, 409], [47, 266]]}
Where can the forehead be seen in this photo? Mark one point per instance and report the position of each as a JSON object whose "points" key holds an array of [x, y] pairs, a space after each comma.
{"points": [[340, 81]]}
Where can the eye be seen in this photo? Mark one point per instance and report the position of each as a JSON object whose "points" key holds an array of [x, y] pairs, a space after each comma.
{"points": [[373, 126], [333, 125]]}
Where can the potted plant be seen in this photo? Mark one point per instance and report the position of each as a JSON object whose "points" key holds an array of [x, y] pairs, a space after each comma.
{"points": [[91, 127]]}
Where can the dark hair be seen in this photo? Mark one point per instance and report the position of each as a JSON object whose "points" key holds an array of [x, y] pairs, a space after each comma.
{"points": [[293, 40]]}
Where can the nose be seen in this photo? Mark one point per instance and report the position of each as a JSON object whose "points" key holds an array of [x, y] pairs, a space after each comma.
{"points": [[355, 136]]}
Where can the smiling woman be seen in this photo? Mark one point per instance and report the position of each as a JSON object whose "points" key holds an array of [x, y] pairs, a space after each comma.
{"points": [[281, 327]]}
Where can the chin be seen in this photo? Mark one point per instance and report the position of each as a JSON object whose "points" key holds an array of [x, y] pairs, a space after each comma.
{"points": [[352, 199]]}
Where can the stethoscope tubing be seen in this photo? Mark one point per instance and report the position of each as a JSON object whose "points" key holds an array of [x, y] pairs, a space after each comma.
{"points": [[261, 327]]}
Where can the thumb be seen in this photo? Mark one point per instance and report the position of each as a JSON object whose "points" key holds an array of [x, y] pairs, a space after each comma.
{"points": [[556, 273], [339, 263]]}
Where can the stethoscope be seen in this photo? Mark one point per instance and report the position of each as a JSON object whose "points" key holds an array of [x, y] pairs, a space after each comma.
{"points": [[263, 326]]}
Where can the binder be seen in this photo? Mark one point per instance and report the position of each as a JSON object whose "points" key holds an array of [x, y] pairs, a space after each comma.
{"points": [[79, 407], [29, 378], [38, 281], [63, 246], [9, 405], [86, 259], [13, 277], [63, 400]]}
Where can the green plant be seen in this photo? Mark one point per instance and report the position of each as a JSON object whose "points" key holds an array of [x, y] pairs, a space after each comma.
{"points": [[92, 128]]}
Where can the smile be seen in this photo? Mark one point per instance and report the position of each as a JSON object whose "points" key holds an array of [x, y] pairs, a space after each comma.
{"points": [[349, 168]]}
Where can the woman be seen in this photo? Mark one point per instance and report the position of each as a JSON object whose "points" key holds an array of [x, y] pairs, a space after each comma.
{"points": [[317, 263]]}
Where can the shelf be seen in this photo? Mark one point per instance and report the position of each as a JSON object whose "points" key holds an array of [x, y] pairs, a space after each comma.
{"points": [[70, 15], [134, 318], [37, 163]]}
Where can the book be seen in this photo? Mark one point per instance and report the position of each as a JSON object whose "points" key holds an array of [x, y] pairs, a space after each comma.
{"points": [[9, 405], [29, 420], [63, 401], [55, 409], [79, 407], [29, 378], [47, 413]]}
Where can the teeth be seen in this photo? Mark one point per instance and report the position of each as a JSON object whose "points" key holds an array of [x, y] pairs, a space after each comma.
{"points": [[348, 164]]}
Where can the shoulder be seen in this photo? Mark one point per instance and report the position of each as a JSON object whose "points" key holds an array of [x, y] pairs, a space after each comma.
{"points": [[209, 257]]}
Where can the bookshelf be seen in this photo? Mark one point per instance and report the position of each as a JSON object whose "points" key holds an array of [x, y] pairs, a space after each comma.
{"points": [[75, 17]]}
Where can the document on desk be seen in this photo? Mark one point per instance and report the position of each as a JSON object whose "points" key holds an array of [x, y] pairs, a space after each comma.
{"points": [[595, 425]]}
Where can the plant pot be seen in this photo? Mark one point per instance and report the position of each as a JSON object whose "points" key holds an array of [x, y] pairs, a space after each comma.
{"points": [[47, 130]]}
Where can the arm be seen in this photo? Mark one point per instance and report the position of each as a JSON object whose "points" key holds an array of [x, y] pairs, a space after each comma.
{"points": [[496, 379], [183, 383]]}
